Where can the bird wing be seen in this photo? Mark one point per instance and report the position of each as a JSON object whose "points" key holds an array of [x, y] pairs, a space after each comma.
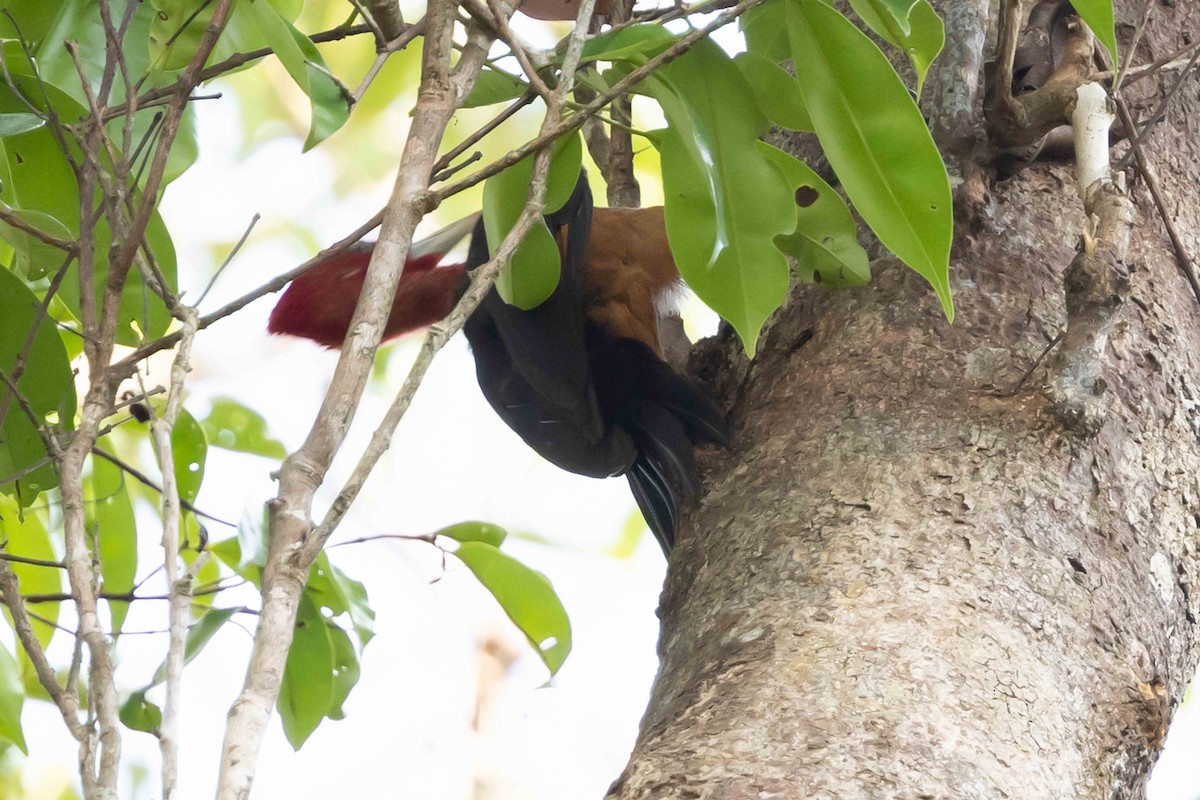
{"points": [[532, 364]]}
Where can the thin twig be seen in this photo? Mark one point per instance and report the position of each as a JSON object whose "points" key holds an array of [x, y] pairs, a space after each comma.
{"points": [[573, 122], [481, 284], [478, 135], [229, 258], [1160, 111], [1182, 258], [149, 483]]}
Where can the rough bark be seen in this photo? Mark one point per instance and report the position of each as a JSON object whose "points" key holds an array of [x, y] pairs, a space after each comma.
{"points": [[905, 582]]}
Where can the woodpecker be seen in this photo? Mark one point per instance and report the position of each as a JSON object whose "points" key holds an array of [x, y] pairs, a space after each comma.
{"points": [[580, 378]]}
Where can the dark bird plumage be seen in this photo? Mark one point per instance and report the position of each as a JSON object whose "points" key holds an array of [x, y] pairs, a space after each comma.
{"points": [[579, 377]]}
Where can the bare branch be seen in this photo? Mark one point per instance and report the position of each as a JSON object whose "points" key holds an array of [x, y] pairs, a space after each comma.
{"points": [[286, 570]]}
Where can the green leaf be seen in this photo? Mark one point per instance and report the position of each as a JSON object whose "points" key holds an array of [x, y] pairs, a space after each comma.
{"points": [[1098, 14], [33, 259], [533, 273], [332, 589], [776, 91], [825, 243], [345, 671], [110, 513], [232, 426], [176, 31], [765, 30], [12, 700], [474, 531], [331, 100], [199, 634], [876, 140], [306, 694], [13, 124], [494, 86], [47, 385], [189, 449], [35, 176], [526, 596], [724, 202], [139, 714], [24, 534], [634, 43], [919, 32]]}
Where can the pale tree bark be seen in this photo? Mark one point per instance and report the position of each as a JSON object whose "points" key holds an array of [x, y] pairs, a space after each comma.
{"points": [[906, 580]]}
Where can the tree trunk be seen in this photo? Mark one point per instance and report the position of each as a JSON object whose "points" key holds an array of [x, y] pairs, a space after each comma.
{"points": [[905, 580]]}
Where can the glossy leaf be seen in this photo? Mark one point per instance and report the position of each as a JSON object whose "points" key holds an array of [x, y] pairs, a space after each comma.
{"points": [[776, 91], [1098, 14], [825, 242], [474, 531], [139, 714], [724, 202], [306, 693], [494, 86], [533, 273], [24, 534], [232, 426], [330, 99], [12, 700], [876, 140], [47, 386], [110, 513], [198, 636], [918, 30], [526, 596]]}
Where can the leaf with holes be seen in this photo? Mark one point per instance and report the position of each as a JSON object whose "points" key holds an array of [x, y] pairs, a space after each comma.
{"points": [[825, 242], [724, 201], [876, 140]]}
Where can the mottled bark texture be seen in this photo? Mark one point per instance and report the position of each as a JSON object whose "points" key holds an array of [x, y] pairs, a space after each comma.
{"points": [[905, 581]]}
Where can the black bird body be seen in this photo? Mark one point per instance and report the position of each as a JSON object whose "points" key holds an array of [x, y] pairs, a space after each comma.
{"points": [[588, 400]]}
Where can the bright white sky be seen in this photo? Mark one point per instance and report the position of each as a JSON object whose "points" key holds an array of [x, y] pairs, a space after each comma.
{"points": [[408, 728]]}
